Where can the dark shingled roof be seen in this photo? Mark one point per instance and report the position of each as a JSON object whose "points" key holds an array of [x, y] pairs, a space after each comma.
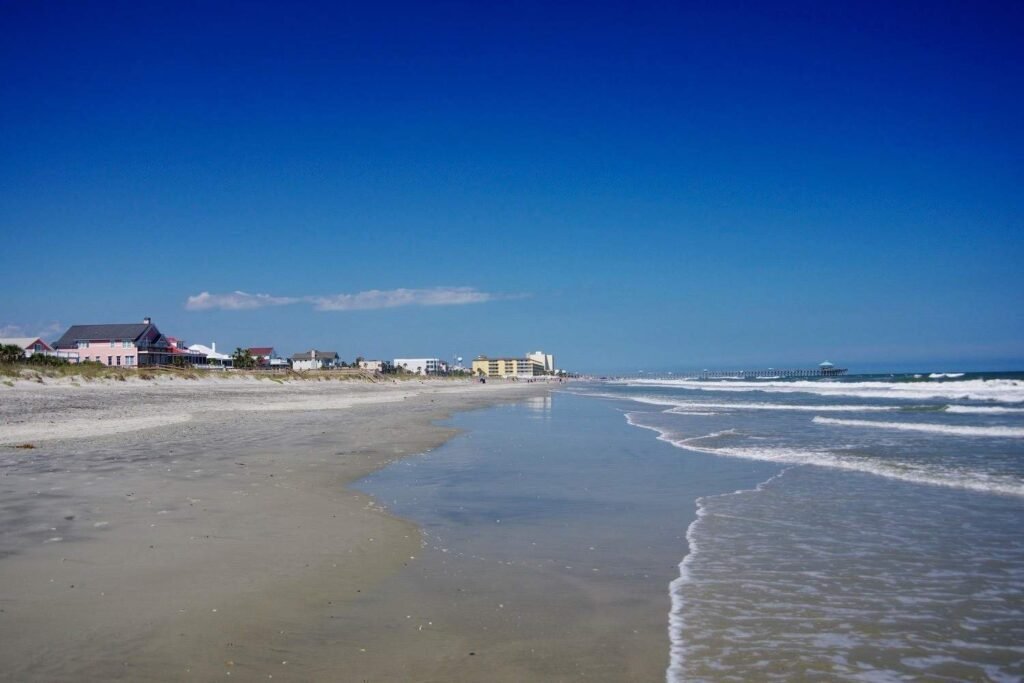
{"points": [[320, 355], [77, 333]]}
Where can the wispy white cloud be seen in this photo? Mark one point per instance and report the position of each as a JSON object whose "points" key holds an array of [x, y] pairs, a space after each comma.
{"points": [[393, 298], [236, 301], [46, 331], [359, 301]]}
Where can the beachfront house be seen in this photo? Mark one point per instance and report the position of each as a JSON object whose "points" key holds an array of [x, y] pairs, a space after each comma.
{"points": [[36, 346], [315, 360], [373, 365], [29, 345], [214, 359], [185, 355], [121, 344], [421, 366], [267, 357]]}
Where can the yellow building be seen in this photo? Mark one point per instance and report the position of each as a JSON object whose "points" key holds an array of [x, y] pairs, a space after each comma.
{"points": [[505, 368]]}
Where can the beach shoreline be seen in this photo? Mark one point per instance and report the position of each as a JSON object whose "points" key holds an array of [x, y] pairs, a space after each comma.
{"points": [[220, 541]]}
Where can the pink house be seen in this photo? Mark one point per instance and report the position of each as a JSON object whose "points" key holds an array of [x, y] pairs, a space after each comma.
{"points": [[126, 345]]}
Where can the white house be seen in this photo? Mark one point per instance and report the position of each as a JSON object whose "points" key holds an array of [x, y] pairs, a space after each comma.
{"points": [[315, 360], [29, 345], [421, 366], [372, 365], [267, 357], [213, 356], [32, 346]]}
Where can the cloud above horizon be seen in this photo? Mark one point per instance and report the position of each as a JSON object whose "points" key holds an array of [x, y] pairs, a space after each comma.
{"points": [[46, 331], [360, 301], [236, 301]]}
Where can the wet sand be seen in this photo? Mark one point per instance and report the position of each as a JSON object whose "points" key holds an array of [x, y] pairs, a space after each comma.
{"points": [[221, 543]]}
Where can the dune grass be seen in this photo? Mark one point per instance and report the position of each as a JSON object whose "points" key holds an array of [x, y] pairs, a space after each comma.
{"points": [[92, 372]]}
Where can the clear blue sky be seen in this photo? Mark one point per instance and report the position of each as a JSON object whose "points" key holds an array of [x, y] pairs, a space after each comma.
{"points": [[632, 186]]}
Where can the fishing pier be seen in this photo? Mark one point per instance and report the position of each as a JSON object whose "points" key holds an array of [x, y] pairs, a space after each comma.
{"points": [[825, 369]]}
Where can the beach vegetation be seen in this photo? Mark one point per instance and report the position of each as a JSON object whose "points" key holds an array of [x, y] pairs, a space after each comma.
{"points": [[40, 371], [243, 360], [10, 353]]}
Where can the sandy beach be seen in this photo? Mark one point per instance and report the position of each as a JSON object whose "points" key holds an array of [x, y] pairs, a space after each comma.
{"points": [[193, 530]]}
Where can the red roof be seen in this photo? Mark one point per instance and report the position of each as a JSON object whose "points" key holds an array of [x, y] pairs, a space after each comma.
{"points": [[261, 350]]}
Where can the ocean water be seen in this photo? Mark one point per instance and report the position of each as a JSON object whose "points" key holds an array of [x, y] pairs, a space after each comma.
{"points": [[864, 529], [552, 530], [888, 545]]}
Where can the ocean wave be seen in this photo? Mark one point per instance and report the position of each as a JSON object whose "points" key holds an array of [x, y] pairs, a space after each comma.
{"points": [[956, 430], [945, 375], [984, 410], [650, 400], [679, 407], [694, 405], [904, 471], [1000, 390], [695, 413], [676, 619]]}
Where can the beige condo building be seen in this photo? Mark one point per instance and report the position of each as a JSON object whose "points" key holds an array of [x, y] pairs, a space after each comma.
{"points": [[506, 368]]}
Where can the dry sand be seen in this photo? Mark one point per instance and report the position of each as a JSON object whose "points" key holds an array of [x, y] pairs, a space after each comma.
{"points": [[188, 530]]}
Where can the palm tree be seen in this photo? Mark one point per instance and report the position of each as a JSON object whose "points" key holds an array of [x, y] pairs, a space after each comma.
{"points": [[241, 358], [10, 353]]}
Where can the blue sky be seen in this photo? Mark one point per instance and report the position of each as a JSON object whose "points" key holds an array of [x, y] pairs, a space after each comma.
{"points": [[665, 186]]}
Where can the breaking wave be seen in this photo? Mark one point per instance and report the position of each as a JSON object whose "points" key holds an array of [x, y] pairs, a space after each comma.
{"points": [[985, 410], [676, 618], [917, 473], [1001, 390], [957, 430]]}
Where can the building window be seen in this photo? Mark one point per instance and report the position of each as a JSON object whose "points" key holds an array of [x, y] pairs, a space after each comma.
{"points": [[83, 344], [119, 360], [110, 360]]}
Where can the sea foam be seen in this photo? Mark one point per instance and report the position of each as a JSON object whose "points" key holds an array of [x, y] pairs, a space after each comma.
{"points": [[1000, 390], [679, 406], [984, 410], [934, 475], [676, 619], [955, 430], [851, 408]]}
